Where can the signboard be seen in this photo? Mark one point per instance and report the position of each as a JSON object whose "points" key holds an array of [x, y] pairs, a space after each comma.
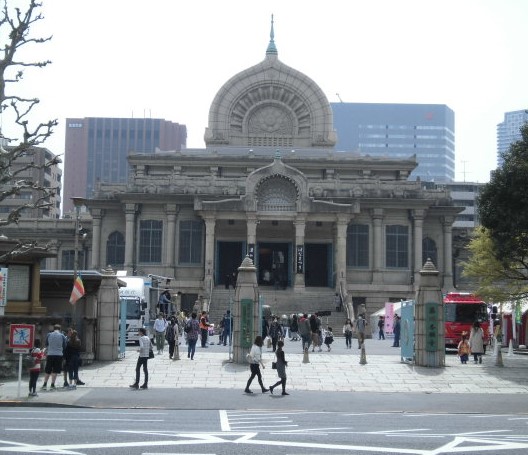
{"points": [[21, 336], [300, 258], [431, 326], [3, 286]]}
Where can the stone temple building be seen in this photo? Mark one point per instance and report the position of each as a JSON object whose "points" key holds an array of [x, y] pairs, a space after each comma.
{"points": [[270, 185]]}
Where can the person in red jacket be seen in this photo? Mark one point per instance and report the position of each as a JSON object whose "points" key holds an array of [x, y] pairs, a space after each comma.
{"points": [[34, 371]]}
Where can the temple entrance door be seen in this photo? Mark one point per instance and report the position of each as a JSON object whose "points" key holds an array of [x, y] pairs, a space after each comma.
{"points": [[274, 261], [318, 264], [229, 258]]}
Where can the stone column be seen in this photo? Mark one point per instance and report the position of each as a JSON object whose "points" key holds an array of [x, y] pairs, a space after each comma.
{"points": [[54, 261], [130, 221], [429, 319], [108, 317], [96, 238], [377, 251], [210, 223], [447, 224], [418, 218], [340, 252], [300, 228], [246, 312], [171, 210]]}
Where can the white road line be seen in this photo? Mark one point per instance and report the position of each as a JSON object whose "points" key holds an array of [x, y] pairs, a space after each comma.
{"points": [[55, 419], [224, 421], [82, 412], [31, 429]]}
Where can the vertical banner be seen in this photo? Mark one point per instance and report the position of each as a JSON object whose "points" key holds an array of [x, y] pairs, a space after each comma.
{"points": [[431, 326], [251, 251], [300, 258], [3, 286], [246, 323], [407, 330], [389, 318]]}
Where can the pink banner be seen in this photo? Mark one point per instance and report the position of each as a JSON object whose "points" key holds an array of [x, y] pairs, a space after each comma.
{"points": [[389, 317]]}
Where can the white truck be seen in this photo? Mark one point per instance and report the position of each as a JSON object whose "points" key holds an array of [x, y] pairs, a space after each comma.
{"points": [[136, 297]]}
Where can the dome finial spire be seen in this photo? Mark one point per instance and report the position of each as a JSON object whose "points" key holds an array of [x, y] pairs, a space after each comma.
{"points": [[272, 50]]}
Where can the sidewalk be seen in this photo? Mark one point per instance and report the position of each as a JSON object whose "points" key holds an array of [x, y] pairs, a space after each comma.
{"points": [[338, 370]]}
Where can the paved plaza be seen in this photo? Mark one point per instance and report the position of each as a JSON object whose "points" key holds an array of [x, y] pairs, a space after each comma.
{"points": [[339, 370]]}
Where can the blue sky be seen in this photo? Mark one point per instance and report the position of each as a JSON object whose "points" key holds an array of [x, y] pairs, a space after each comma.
{"points": [[168, 58]]}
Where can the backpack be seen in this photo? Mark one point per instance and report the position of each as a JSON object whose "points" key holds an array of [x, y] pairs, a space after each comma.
{"points": [[187, 328]]}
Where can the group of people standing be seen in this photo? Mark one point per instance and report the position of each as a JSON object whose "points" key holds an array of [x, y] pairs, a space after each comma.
{"points": [[62, 354]]}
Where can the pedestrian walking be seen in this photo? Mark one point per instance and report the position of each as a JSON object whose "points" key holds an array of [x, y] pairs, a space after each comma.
{"points": [[55, 346], [275, 332], [314, 331], [73, 356], [280, 365], [396, 328], [160, 325], [464, 348], [145, 346], [192, 330], [381, 328], [255, 362], [294, 328], [305, 332], [170, 335], [476, 342], [348, 329], [228, 328], [361, 328], [204, 329], [37, 355], [329, 339]]}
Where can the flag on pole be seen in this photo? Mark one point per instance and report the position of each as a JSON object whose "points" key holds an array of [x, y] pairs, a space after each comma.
{"points": [[78, 290]]}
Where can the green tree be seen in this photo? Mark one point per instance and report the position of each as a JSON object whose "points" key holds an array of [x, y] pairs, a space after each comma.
{"points": [[499, 250], [498, 280], [24, 136], [503, 204]]}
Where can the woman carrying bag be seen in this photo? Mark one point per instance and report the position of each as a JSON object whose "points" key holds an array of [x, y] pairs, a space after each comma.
{"points": [[255, 362], [280, 366]]}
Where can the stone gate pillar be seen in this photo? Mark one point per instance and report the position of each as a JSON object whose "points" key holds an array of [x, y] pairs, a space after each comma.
{"points": [[108, 317], [429, 319], [246, 312]]}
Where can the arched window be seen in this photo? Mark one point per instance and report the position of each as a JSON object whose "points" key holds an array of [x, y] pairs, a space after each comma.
{"points": [[429, 251], [115, 249]]}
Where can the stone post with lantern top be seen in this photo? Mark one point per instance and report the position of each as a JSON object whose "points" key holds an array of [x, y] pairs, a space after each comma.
{"points": [[429, 319], [246, 311]]}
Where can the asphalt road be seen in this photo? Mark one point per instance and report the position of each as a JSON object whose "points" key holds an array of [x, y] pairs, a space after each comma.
{"points": [[250, 431]]}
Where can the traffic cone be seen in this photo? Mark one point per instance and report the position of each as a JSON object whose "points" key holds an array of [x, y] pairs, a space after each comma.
{"points": [[306, 359], [498, 360], [363, 358], [510, 348]]}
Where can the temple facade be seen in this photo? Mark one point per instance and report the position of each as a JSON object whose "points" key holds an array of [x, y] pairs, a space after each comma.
{"points": [[268, 185]]}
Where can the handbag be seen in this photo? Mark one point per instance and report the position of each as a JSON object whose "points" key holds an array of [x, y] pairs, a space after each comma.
{"points": [[273, 365], [151, 354]]}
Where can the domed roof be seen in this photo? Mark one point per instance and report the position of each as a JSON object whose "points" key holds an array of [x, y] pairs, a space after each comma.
{"points": [[270, 105]]}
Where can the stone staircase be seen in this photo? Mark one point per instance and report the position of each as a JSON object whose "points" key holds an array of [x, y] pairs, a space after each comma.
{"points": [[285, 302]]}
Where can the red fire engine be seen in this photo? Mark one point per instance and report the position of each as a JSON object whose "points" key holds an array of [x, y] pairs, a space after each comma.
{"points": [[462, 309]]}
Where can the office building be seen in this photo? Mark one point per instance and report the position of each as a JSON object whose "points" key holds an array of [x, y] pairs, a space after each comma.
{"points": [[400, 131], [31, 166], [509, 131], [97, 150]]}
